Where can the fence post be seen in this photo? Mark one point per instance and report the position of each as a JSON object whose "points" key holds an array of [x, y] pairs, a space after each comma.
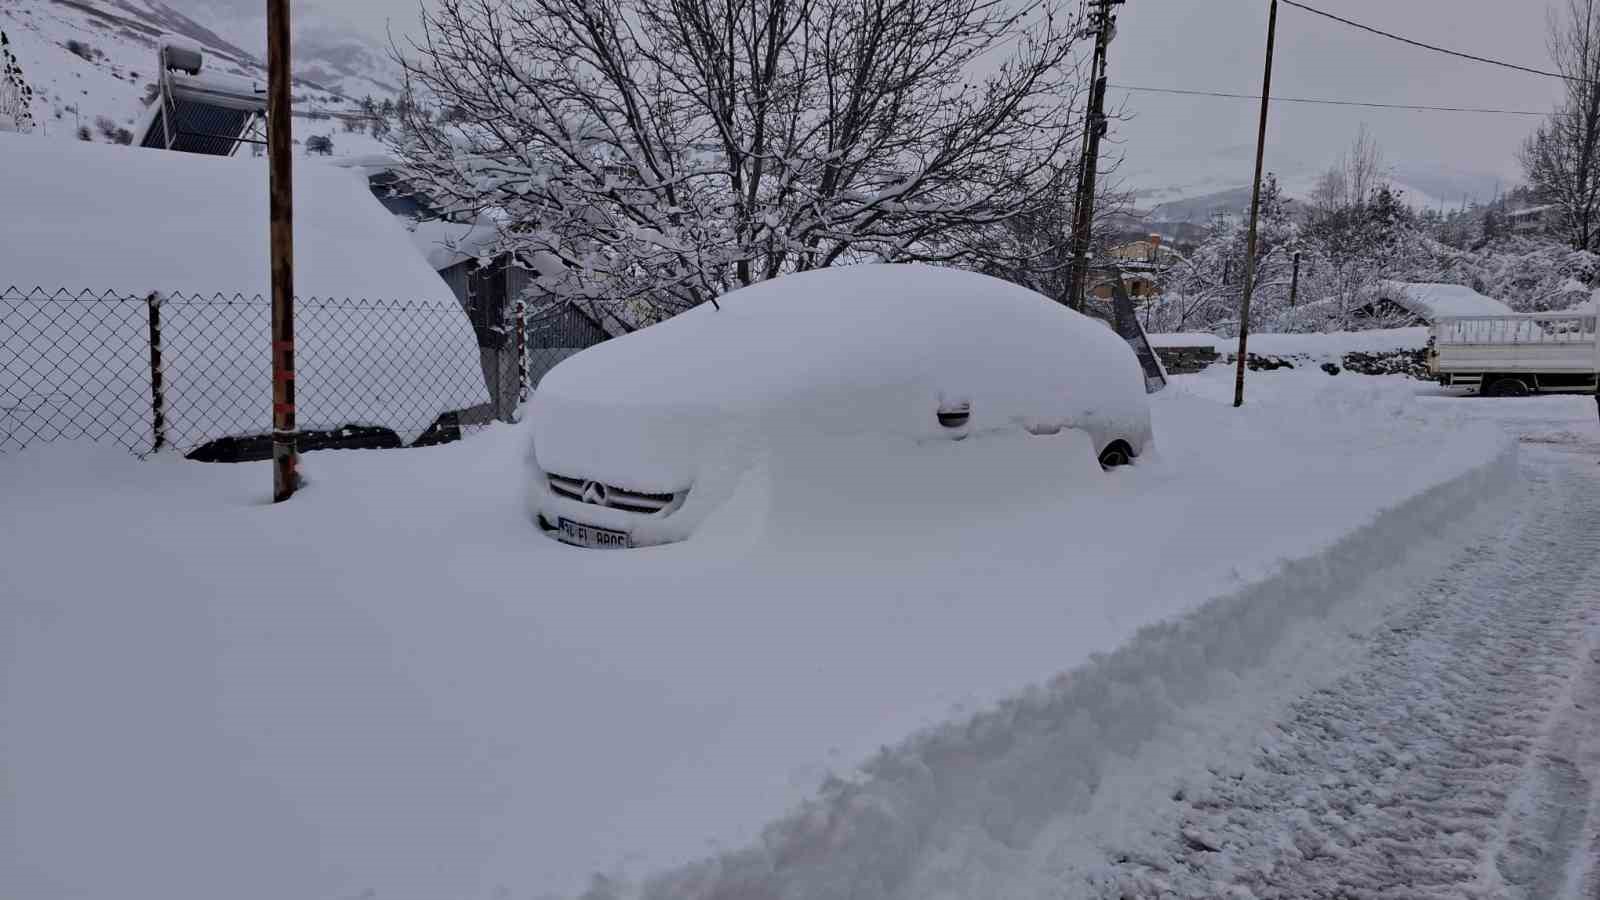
{"points": [[158, 401], [522, 352]]}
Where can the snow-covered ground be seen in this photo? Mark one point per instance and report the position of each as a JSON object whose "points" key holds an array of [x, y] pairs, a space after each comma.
{"points": [[854, 686], [1435, 739]]}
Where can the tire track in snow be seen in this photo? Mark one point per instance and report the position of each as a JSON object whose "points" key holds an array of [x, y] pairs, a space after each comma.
{"points": [[1455, 763]]}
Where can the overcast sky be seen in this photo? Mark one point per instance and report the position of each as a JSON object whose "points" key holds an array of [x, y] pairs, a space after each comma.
{"points": [[1218, 45]]}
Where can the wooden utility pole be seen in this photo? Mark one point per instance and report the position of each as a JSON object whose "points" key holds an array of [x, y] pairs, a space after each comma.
{"points": [[1255, 211], [285, 458], [1294, 280], [1094, 128]]}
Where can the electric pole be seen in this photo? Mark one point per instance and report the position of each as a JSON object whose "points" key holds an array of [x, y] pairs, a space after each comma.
{"points": [[1104, 25], [285, 457], [1255, 210]]}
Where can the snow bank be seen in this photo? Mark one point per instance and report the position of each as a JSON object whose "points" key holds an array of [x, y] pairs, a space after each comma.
{"points": [[388, 346], [393, 684]]}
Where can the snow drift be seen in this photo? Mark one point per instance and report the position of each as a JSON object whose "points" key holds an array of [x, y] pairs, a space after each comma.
{"points": [[393, 685]]}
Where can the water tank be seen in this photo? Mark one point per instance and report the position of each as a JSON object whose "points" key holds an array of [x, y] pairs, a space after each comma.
{"points": [[184, 59]]}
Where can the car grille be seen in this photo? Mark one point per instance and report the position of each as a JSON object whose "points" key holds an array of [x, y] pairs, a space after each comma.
{"points": [[599, 493]]}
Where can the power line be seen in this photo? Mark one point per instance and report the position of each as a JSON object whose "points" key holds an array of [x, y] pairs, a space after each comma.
{"points": [[1434, 47], [1327, 102]]}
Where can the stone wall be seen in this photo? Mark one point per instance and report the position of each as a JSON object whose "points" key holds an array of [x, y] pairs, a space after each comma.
{"points": [[1189, 360]]}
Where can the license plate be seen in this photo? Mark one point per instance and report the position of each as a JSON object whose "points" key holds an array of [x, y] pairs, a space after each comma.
{"points": [[581, 535]]}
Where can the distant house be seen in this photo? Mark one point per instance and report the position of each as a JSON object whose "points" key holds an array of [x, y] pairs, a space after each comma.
{"points": [[1139, 283], [1142, 263], [1422, 303], [1149, 251], [1533, 219]]}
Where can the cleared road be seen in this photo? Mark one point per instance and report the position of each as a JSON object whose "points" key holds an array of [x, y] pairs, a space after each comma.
{"points": [[1458, 756]]}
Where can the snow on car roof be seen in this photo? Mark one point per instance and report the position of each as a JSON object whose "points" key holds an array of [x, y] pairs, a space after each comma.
{"points": [[1434, 301], [841, 325], [846, 350]]}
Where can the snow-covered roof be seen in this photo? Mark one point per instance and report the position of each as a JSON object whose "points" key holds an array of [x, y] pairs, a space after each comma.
{"points": [[369, 163], [444, 244], [78, 217], [103, 217], [1432, 301]]}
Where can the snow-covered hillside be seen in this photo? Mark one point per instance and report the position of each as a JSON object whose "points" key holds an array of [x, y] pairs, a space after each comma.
{"points": [[92, 63], [1222, 184]]}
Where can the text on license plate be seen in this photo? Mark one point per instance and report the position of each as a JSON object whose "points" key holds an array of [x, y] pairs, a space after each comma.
{"points": [[583, 535]]}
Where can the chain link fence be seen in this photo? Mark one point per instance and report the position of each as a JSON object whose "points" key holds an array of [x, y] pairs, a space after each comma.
{"points": [[192, 373]]}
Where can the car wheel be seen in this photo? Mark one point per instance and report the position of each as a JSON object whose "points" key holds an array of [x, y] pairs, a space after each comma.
{"points": [[1115, 454], [1507, 387]]}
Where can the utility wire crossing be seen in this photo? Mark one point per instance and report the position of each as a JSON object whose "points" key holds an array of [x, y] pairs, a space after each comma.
{"points": [[1434, 47], [1329, 102]]}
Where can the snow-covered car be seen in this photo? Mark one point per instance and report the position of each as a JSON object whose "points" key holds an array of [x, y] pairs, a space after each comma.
{"points": [[639, 439]]}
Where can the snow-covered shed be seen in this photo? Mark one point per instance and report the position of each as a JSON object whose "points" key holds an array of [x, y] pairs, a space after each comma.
{"points": [[381, 340], [1425, 302], [489, 281]]}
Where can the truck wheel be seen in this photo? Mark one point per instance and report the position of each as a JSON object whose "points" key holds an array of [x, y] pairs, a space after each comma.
{"points": [[1507, 387]]}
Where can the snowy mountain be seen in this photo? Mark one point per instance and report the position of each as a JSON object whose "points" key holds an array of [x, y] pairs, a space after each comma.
{"points": [[1221, 184], [93, 62]]}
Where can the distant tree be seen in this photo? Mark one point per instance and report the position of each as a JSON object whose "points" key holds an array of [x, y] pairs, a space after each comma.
{"points": [[1034, 247], [1493, 227], [320, 143], [84, 134], [1344, 189], [16, 97], [1562, 158], [1203, 289]]}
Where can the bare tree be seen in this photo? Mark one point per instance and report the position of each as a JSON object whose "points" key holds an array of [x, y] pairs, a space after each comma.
{"points": [[652, 154], [1348, 184], [1034, 248], [1562, 158]]}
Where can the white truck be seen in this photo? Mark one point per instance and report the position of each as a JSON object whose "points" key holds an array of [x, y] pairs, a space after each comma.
{"points": [[1515, 355]]}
